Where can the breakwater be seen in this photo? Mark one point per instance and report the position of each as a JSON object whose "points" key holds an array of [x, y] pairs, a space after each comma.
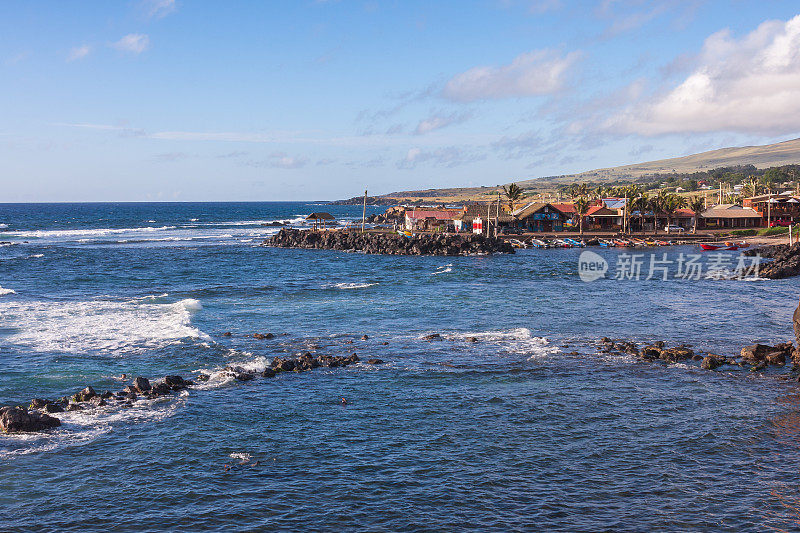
{"points": [[390, 243], [785, 260]]}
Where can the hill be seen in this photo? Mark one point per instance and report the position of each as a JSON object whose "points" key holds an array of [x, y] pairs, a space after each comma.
{"points": [[770, 155]]}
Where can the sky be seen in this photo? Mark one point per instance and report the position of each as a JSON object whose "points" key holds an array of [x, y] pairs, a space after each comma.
{"points": [[180, 100]]}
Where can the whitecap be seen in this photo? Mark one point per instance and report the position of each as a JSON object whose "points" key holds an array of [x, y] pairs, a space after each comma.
{"points": [[108, 325], [517, 340], [348, 285], [448, 268], [3, 291]]}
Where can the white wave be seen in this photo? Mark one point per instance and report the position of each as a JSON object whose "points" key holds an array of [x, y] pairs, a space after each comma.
{"points": [[82, 427], [220, 376], [35, 256], [3, 225], [348, 285], [3, 291], [241, 456], [7, 244], [518, 341], [113, 326], [193, 219], [85, 232], [443, 270]]}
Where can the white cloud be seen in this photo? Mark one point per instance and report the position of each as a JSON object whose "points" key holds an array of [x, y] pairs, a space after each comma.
{"points": [[79, 52], [135, 43], [530, 74], [282, 160], [751, 85], [158, 8], [438, 121], [450, 156]]}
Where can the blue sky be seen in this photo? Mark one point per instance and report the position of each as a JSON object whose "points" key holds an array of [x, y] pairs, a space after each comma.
{"points": [[187, 100]]}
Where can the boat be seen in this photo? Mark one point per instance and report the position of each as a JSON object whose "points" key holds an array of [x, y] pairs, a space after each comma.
{"points": [[539, 243], [622, 243], [574, 243], [709, 247], [605, 242], [651, 242], [639, 243], [516, 243]]}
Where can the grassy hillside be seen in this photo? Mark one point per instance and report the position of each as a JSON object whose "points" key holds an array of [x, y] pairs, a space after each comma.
{"points": [[771, 155]]}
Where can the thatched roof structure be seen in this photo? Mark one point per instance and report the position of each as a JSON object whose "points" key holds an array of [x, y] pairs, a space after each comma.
{"points": [[322, 215]]}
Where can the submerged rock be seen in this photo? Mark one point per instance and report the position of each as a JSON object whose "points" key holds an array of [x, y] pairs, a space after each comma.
{"points": [[710, 362], [374, 361], [17, 419], [84, 395]]}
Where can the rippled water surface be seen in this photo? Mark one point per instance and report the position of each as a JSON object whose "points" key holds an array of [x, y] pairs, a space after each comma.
{"points": [[528, 428]]}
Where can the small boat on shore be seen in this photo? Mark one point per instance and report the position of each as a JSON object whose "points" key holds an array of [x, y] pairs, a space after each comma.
{"points": [[605, 242], [516, 243], [539, 243], [573, 243]]}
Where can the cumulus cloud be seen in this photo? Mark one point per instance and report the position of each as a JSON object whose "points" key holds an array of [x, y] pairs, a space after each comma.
{"points": [[158, 8], [450, 156], [531, 74], [438, 121], [515, 147], [750, 85], [79, 52], [135, 43]]}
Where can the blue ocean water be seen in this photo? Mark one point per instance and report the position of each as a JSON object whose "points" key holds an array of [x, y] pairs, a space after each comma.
{"points": [[529, 428]]}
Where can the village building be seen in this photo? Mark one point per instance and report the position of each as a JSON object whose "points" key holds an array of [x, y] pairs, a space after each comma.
{"points": [[429, 219], [481, 218], [730, 216], [775, 209], [539, 216]]}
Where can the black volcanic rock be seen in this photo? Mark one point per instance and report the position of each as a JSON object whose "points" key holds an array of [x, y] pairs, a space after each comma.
{"points": [[390, 243]]}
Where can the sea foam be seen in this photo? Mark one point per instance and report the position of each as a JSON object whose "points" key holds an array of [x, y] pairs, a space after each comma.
{"points": [[115, 326]]}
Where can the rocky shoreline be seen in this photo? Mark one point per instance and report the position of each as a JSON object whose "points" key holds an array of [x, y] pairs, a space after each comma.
{"points": [[38, 415], [390, 243], [785, 260], [754, 357]]}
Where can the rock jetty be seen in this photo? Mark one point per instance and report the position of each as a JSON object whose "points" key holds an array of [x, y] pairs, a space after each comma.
{"points": [[754, 357], [390, 243], [785, 260]]}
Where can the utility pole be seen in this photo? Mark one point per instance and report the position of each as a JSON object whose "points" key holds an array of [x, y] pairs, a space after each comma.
{"points": [[497, 217], [364, 212]]}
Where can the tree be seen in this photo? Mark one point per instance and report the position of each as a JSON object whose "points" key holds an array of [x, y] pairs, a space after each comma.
{"points": [[640, 204], [581, 208], [513, 194], [671, 203], [697, 205]]}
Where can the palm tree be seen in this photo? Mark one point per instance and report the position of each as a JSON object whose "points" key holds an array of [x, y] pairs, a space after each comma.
{"points": [[582, 190], [641, 204], [656, 204], [672, 203], [697, 205], [581, 208], [629, 192], [751, 187], [600, 191], [513, 194]]}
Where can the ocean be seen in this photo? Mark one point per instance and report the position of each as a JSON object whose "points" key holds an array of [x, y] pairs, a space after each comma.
{"points": [[512, 419]]}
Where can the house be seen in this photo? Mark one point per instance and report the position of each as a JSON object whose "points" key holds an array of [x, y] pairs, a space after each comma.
{"points": [[601, 217], [539, 216], [429, 219], [480, 218], [568, 210], [784, 207], [730, 216]]}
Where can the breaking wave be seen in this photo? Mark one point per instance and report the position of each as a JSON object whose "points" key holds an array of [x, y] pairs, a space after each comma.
{"points": [[77, 327]]}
